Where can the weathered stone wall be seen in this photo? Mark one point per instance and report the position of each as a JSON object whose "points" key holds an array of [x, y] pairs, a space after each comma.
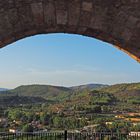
{"points": [[113, 21]]}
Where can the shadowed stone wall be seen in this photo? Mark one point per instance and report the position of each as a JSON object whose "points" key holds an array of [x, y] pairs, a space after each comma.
{"points": [[113, 21]]}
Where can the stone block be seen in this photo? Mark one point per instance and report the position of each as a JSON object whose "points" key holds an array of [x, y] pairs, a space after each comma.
{"points": [[49, 14], [73, 12], [61, 17], [37, 11], [61, 12], [126, 34], [87, 6]]}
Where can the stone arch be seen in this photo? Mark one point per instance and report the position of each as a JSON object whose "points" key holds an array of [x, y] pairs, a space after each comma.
{"points": [[113, 21]]}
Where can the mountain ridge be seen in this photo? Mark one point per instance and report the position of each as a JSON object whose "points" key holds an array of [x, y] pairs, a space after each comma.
{"points": [[48, 91], [122, 92], [61, 93], [88, 86]]}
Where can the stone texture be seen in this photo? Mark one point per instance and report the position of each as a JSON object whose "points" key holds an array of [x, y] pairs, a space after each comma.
{"points": [[87, 6], [37, 11], [49, 13], [61, 12], [113, 21]]}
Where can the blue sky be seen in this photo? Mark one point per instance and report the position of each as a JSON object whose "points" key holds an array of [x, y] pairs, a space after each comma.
{"points": [[65, 60]]}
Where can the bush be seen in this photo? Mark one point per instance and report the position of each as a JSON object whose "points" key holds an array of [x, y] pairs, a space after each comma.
{"points": [[27, 128]]}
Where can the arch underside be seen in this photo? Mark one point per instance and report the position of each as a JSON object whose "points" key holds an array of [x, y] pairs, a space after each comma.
{"points": [[115, 22]]}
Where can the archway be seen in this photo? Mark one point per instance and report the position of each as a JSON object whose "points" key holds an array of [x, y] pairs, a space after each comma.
{"points": [[116, 22]]}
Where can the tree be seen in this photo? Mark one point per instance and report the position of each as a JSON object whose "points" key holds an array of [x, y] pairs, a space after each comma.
{"points": [[27, 128], [136, 128], [58, 122], [45, 118], [15, 114]]}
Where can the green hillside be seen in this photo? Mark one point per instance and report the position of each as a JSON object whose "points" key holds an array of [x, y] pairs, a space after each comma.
{"points": [[125, 92], [120, 94], [45, 91], [49, 92], [122, 88], [122, 97]]}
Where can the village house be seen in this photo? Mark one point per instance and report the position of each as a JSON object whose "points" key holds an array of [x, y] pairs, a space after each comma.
{"points": [[134, 134], [3, 120], [108, 123], [13, 130]]}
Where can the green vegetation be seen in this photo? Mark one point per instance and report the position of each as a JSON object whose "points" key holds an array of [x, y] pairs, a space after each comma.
{"points": [[13, 100], [119, 88], [45, 91], [59, 108], [101, 98]]}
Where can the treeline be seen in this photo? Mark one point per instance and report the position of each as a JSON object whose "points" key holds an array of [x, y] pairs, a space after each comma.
{"points": [[20, 100]]}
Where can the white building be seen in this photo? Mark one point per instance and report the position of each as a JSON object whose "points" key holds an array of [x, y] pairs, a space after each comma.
{"points": [[134, 134]]}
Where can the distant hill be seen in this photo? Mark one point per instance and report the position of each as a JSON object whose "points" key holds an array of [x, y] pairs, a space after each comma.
{"points": [[45, 91], [88, 87], [49, 92], [122, 92], [53, 92], [122, 88], [118, 97]]}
